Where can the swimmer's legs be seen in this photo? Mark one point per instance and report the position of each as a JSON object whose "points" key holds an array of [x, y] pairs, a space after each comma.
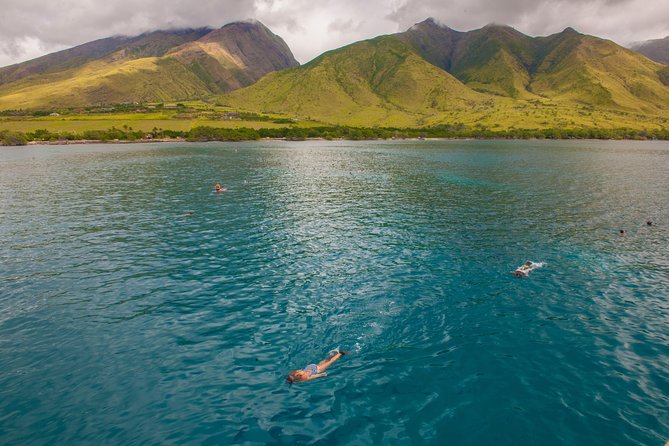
{"points": [[327, 362]]}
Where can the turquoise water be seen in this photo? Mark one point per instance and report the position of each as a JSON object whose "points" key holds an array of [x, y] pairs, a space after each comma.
{"points": [[123, 323]]}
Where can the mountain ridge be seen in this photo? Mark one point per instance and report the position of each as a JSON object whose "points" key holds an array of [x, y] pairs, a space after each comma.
{"points": [[147, 67], [655, 49], [425, 76], [81, 54], [375, 81], [507, 70]]}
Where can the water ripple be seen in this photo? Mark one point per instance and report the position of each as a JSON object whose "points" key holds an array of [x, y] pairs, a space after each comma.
{"points": [[124, 322]]}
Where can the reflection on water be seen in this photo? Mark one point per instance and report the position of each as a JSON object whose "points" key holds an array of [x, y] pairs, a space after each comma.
{"points": [[124, 323]]}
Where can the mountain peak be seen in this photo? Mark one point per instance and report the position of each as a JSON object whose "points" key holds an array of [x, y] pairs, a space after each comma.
{"points": [[497, 25], [241, 28], [244, 24], [430, 22], [255, 44]]}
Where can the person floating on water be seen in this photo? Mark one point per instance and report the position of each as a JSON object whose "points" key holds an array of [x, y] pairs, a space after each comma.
{"points": [[219, 188], [313, 371], [525, 269]]}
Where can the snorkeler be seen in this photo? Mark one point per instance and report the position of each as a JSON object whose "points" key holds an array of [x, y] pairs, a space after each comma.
{"points": [[313, 371], [525, 269]]}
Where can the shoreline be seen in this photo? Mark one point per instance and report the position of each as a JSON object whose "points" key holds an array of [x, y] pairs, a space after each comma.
{"points": [[211, 134], [183, 140], [97, 141]]}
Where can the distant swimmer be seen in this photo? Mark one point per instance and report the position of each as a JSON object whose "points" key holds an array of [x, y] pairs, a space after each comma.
{"points": [[622, 232], [313, 371], [649, 223], [525, 269], [219, 188], [187, 214]]}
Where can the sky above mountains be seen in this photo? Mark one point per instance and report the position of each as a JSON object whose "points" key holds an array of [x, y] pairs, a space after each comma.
{"points": [[31, 28]]}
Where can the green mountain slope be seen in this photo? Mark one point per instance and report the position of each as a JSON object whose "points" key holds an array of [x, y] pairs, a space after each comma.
{"points": [[376, 82], [159, 66], [495, 77], [567, 66], [494, 59], [597, 72], [235, 56], [154, 44]]}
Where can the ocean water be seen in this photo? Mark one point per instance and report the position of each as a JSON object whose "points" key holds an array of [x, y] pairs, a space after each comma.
{"points": [[123, 322]]}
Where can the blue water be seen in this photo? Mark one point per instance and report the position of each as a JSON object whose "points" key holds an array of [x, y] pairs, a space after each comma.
{"points": [[122, 322]]}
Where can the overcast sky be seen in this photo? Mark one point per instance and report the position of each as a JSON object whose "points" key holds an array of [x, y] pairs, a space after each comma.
{"points": [[30, 28]]}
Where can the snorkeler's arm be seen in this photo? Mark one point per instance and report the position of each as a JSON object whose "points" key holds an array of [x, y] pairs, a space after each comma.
{"points": [[317, 375]]}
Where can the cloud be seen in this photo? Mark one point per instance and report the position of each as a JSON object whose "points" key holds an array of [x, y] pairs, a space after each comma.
{"points": [[58, 24], [620, 20], [311, 27], [29, 28]]}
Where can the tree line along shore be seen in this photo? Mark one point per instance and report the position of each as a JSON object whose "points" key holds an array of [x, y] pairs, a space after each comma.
{"points": [[203, 134]]}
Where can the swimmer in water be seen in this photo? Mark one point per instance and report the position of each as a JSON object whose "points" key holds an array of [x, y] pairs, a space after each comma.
{"points": [[622, 232], [525, 269], [187, 214], [649, 223], [218, 186], [313, 371]]}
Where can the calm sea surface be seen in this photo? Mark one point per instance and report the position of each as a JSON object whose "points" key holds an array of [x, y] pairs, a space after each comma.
{"points": [[123, 323]]}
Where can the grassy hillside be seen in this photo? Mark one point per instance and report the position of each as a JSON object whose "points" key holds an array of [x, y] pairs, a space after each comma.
{"points": [[494, 59], [567, 67], [154, 44], [145, 79], [494, 77], [376, 82], [160, 66], [588, 70]]}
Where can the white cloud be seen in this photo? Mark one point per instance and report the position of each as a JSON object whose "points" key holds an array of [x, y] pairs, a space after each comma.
{"points": [[313, 27], [29, 28]]}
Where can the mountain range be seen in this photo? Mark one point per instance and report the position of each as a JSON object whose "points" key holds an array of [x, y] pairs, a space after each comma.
{"points": [[156, 66], [432, 74], [427, 75]]}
